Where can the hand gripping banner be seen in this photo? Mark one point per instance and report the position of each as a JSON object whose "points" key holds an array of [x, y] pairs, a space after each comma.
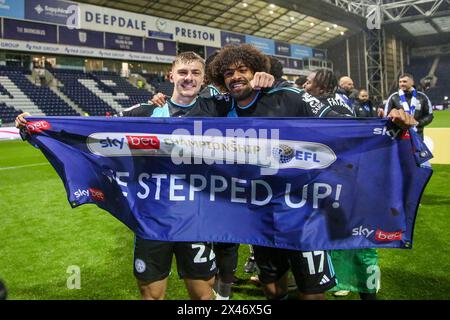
{"points": [[295, 183]]}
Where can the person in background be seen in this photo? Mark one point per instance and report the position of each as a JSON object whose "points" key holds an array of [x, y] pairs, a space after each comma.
{"points": [[346, 91], [276, 69], [363, 106], [356, 270], [412, 101], [301, 80]]}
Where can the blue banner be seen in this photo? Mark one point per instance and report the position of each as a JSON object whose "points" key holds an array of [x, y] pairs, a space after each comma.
{"points": [[301, 52], [160, 47], [160, 35], [320, 54], [266, 46], [29, 31], [81, 37], [52, 11], [282, 49], [12, 9], [231, 38], [308, 184], [122, 42]]}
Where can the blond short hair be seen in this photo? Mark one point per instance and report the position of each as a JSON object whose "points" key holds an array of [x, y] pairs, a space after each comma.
{"points": [[188, 57]]}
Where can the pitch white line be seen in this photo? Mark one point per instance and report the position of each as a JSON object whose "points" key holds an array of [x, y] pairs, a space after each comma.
{"points": [[25, 166]]}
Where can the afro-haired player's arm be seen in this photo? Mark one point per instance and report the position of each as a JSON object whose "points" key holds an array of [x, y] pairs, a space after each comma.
{"points": [[313, 107], [217, 106]]}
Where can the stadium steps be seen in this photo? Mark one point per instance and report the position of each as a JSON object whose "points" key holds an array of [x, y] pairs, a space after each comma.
{"points": [[107, 97], [20, 100], [63, 97]]}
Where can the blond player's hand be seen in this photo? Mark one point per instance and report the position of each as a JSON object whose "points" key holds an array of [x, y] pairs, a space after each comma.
{"points": [[159, 99], [20, 120]]}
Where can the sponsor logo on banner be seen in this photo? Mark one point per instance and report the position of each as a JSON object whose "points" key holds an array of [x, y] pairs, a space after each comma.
{"points": [[383, 236], [266, 153], [379, 235], [34, 127], [143, 142], [361, 231], [94, 194], [385, 131]]}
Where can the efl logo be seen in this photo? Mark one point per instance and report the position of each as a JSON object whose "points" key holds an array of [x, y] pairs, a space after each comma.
{"points": [[38, 126], [143, 142], [388, 236], [96, 194]]}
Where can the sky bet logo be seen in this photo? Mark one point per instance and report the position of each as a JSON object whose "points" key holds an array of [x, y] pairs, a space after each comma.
{"points": [[143, 142], [134, 142], [95, 194], [380, 235], [38, 126]]}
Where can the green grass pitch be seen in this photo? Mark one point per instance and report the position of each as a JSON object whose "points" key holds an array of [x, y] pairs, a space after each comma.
{"points": [[41, 237]]}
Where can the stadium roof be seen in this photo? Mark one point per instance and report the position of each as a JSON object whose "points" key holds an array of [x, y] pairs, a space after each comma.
{"points": [[419, 21], [306, 22]]}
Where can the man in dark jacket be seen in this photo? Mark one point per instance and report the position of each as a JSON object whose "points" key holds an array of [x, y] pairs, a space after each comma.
{"points": [[414, 102], [363, 106], [346, 91]]}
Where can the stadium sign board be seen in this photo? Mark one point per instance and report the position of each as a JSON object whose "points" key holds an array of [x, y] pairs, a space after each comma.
{"points": [[282, 49], [265, 45], [51, 11], [123, 42], [12, 8], [81, 37], [118, 21], [231, 38], [300, 52], [29, 31], [80, 51], [160, 47]]}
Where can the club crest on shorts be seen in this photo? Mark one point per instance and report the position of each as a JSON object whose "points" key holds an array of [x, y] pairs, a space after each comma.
{"points": [[139, 265]]}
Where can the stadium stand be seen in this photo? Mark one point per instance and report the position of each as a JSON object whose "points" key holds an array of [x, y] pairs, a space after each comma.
{"points": [[420, 69], [99, 93], [80, 94], [28, 97], [112, 82], [8, 114], [13, 97]]}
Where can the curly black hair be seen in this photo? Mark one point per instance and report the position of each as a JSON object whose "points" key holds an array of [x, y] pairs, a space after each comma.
{"points": [[276, 68], [326, 81], [231, 55], [208, 62]]}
